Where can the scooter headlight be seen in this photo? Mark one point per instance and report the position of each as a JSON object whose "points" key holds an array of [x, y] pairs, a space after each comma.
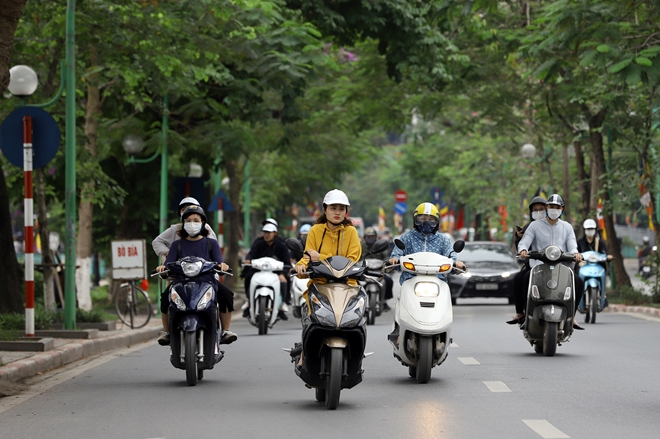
{"points": [[206, 298], [535, 292], [553, 253], [191, 269], [593, 259], [177, 300], [427, 289], [354, 312]]}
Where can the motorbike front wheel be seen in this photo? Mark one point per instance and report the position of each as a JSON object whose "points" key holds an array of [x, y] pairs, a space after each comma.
{"points": [[425, 362], [371, 312], [333, 384], [191, 358], [595, 304], [550, 339], [261, 318]]}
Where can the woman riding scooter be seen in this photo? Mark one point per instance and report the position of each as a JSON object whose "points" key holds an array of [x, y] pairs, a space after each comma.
{"points": [[195, 242]]}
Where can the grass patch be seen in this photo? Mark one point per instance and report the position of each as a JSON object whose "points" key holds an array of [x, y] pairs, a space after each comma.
{"points": [[10, 335], [628, 295]]}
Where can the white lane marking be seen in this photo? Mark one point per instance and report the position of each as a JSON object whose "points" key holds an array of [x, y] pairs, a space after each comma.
{"points": [[453, 345], [75, 370], [468, 360], [545, 429], [497, 386]]}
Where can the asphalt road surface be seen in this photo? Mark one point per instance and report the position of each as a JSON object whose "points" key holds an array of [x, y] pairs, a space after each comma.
{"points": [[602, 384]]}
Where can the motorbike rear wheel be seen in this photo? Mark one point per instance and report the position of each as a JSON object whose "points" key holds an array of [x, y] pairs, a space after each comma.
{"points": [[333, 381], [550, 339], [371, 312], [595, 302], [425, 361], [190, 340], [588, 293], [538, 347], [261, 318]]}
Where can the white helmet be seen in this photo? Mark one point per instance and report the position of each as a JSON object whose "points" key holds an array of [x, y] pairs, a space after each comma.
{"points": [[270, 221], [589, 224], [189, 200], [336, 196], [555, 199]]}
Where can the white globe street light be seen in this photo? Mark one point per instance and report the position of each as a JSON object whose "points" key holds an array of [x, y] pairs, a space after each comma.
{"points": [[23, 81], [528, 151], [133, 144], [196, 171]]}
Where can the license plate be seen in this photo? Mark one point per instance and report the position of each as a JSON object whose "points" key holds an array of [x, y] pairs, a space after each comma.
{"points": [[486, 286]]}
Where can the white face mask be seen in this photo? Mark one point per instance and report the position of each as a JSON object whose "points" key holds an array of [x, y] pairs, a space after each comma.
{"points": [[538, 215], [192, 229], [553, 214], [590, 233]]}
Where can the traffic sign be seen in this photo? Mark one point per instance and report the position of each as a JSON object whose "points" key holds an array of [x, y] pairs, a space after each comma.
{"points": [[436, 194], [46, 137], [401, 195], [400, 207]]}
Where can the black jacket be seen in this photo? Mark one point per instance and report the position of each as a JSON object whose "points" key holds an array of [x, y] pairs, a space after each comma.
{"points": [[260, 249]]}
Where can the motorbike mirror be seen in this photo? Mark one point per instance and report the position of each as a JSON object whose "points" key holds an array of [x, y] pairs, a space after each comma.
{"points": [[379, 246], [399, 244], [459, 246], [294, 245]]}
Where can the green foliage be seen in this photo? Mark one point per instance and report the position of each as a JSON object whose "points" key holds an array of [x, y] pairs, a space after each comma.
{"points": [[628, 295]]}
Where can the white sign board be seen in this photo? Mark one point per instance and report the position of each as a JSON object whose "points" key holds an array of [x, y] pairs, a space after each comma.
{"points": [[129, 259]]}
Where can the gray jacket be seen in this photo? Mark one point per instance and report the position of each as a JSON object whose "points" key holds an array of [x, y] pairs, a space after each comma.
{"points": [[541, 234], [162, 243]]}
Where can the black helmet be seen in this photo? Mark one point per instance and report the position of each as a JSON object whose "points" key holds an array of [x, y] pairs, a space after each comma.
{"points": [[191, 210], [555, 199], [537, 200]]}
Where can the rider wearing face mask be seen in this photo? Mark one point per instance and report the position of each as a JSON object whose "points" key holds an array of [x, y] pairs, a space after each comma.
{"points": [[370, 238], [425, 237], [194, 241], [540, 234], [592, 242]]}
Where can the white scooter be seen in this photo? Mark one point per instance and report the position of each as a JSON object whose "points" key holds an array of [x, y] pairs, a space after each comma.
{"points": [[423, 315], [298, 287], [264, 295]]}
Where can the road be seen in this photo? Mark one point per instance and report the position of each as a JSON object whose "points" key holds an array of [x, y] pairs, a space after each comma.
{"points": [[603, 384]]}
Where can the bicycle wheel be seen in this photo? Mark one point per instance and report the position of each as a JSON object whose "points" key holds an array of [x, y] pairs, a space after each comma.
{"points": [[133, 306]]}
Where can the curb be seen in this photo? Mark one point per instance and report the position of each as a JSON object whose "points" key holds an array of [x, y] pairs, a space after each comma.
{"points": [[70, 352], [631, 308]]}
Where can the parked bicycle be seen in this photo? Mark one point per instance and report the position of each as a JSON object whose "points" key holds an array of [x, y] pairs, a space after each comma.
{"points": [[133, 305]]}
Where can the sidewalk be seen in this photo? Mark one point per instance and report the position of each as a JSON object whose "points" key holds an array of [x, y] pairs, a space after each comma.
{"points": [[18, 365]]}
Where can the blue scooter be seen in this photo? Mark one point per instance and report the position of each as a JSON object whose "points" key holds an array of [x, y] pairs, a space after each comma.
{"points": [[593, 275], [193, 316]]}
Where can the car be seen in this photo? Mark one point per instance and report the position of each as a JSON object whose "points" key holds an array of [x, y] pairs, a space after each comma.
{"points": [[491, 268]]}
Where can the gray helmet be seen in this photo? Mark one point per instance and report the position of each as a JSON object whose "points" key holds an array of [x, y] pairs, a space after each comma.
{"points": [[555, 199], [537, 200]]}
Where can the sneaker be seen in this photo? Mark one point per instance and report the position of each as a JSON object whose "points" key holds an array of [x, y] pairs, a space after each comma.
{"points": [[284, 307], [282, 315], [386, 307], [245, 306], [246, 312], [164, 338], [228, 337]]}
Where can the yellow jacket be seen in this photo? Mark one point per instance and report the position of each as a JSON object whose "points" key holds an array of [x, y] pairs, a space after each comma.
{"points": [[343, 241]]}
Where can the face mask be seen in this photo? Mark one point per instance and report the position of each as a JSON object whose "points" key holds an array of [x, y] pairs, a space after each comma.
{"points": [[426, 227], [590, 233], [538, 215], [553, 214], [192, 229], [370, 239]]}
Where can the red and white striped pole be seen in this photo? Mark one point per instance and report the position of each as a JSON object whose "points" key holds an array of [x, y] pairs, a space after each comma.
{"points": [[28, 208]]}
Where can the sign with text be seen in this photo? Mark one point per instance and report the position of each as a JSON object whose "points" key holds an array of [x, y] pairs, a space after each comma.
{"points": [[401, 196], [129, 259]]}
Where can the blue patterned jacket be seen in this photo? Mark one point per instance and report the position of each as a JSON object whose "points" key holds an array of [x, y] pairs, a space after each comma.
{"points": [[416, 242]]}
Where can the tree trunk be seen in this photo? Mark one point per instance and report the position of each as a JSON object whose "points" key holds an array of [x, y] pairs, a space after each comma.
{"points": [[596, 185], [566, 186], [233, 224], [584, 185], [86, 207], [46, 255], [10, 13], [11, 287], [596, 138]]}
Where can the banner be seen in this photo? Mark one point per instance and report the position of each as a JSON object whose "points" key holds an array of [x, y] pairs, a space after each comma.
{"points": [[381, 218]]}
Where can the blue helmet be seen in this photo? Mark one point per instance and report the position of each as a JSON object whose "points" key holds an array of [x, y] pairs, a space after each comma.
{"points": [[305, 228]]}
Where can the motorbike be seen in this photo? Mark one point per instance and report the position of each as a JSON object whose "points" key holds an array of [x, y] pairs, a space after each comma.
{"points": [[264, 295], [193, 316], [550, 305], [645, 269], [593, 274], [334, 330], [374, 285], [298, 287], [423, 314]]}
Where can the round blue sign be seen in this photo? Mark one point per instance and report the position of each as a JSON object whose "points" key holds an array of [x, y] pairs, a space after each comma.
{"points": [[46, 136]]}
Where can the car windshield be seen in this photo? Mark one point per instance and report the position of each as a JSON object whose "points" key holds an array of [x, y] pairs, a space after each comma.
{"points": [[487, 253]]}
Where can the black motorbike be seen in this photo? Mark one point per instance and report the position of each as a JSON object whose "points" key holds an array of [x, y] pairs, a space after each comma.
{"points": [[334, 331], [374, 285], [193, 316], [550, 300]]}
